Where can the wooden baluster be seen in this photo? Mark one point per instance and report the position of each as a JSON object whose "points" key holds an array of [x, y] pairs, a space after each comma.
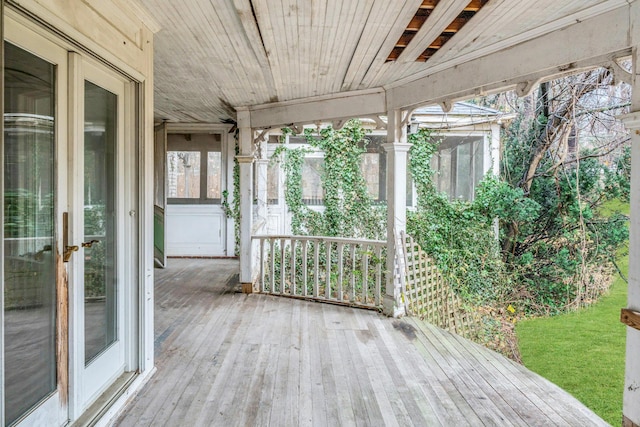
{"points": [[304, 267], [316, 268], [327, 289], [283, 265], [379, 275], [365, 274], [272, 259], [340, 270], [262, 272], [292, 288], [353, 273]]}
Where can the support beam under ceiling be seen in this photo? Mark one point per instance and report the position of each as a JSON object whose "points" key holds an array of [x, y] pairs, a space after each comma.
{"points": [[587, 43], [325, 108]]}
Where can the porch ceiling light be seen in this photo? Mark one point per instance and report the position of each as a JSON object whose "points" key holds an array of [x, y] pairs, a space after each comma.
{"points": [[413, 126]]}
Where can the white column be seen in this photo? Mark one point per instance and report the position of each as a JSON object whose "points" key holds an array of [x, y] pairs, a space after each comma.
{"points": [[397, 149], [245, 160], [631, 401]]}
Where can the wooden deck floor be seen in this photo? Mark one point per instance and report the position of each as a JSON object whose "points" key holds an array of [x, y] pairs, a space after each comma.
{"points": [[228, 359]]}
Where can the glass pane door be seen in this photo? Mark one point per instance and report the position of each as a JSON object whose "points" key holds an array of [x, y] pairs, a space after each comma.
{"points": [[100, 275], [29, 194], [99, 200]]}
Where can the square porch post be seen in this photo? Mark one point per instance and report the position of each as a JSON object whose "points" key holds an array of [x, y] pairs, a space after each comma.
{"points": [[631, 406], [245, 160], [397, 150]]}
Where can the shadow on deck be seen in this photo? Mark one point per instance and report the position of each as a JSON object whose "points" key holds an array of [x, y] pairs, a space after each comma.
{"points": [[226, 358]]}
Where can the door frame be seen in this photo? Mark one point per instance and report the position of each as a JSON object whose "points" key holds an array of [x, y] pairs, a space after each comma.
{"points": [[160, 193]]}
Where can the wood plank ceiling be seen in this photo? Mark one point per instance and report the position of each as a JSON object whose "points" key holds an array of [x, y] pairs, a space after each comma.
{"points": [[214, 55]]}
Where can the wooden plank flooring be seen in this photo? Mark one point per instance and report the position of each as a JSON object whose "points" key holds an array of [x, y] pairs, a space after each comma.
{"points": [[229, 359]]}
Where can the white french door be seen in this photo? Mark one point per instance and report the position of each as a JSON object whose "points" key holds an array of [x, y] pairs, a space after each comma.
{"points": [[35, 107], [97, 201], [69, 325]]}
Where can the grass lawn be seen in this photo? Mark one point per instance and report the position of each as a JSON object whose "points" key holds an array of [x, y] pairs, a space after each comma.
{"points": [[583, 352]]}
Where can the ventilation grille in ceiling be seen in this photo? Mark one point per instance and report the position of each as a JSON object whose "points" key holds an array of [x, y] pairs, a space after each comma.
{"points": [[421, 17]]}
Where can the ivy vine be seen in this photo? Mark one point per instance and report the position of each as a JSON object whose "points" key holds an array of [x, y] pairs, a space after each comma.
{"points": [[292, 161], [233, 211], [349, 208]]}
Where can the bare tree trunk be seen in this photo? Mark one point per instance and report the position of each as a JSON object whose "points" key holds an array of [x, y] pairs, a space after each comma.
{"points": [[557, 129]]}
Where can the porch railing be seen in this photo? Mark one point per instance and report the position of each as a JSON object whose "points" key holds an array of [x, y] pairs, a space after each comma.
{"points": [[330, 269]]}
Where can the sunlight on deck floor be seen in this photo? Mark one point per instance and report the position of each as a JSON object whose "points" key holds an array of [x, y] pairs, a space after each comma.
{"points": [[228, 359]]}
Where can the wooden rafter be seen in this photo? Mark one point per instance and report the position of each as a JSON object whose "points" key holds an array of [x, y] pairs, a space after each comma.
{"points": [[428, 4], [420, 18]]}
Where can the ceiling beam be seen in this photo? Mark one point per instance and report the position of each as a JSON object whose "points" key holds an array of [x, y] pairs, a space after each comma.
{"points": [[344, 105], [439, 20], [586, 43]]}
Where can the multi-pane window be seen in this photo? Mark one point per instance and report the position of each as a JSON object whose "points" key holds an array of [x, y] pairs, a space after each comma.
{"points": [[374, 170], [460, 166], [273, 183], [374, 167], [214, 175], [370, 168], [459, 163], [194, 168], [184, 174], [312, 189]]}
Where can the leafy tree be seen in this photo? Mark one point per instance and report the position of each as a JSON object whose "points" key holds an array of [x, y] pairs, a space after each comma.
{"points": [[563, 157], [554, 250]]}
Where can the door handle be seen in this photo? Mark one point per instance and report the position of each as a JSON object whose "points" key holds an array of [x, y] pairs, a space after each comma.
{"points": [[89, 243], [68, 251]]}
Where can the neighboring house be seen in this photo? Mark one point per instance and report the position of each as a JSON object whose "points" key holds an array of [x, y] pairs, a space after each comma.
{"points": [[469, 138]]}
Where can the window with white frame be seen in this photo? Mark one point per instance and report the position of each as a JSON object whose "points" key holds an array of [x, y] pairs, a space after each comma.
{"points": [[460, 165], [373, 167], [312, 169], [273, 182], [312, 188], [194, 168], [374, 170]]}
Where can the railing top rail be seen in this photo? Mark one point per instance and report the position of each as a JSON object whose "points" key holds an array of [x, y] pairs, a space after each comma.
{"points": [[323, 239]]}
